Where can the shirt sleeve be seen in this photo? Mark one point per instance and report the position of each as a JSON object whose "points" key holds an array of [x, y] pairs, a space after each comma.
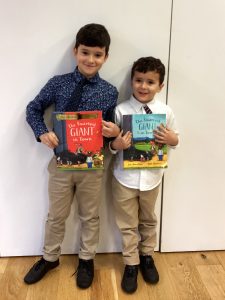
{"points": [[110, 113], [118, 117], [117, 121], [113, 96], [36, 108], [113, 151], [172, 124]]}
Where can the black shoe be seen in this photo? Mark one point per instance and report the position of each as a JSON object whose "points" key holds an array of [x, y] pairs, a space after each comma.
{"points": [[85, 273], [129, 281], [148, 269], [39, 269]]}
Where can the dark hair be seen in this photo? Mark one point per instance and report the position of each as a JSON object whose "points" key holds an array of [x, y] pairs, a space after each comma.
{"points": [[146, 64], [93, 35]]}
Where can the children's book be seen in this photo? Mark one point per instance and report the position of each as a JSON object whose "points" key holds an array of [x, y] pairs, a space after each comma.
{"points": [[80, 140], [144, 152]]}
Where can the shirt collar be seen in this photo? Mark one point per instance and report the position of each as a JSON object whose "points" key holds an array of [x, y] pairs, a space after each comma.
{"points": [[78, 76], [138, 105]]}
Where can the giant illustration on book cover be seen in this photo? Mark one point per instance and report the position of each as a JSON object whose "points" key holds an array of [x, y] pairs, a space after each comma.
{"points": [[80, 140], [144, 152]]}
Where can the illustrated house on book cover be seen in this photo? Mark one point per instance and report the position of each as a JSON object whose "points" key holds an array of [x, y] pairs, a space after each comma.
{"points": [[80, 140], [144, 152]]}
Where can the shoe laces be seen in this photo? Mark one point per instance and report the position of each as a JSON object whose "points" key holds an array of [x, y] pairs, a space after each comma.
{"points": [[84, 266], [39, 264], [149, 262], [131, 271]]}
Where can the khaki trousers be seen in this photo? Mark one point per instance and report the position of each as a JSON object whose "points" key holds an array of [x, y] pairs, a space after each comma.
{"points": [[63, 185], [136, 219]]}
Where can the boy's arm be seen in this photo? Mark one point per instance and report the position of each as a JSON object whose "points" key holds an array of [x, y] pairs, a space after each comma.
{"points": [[164, 135], [35, 109], [109, 128], [121, 142], [168, 134], [49, 139]]}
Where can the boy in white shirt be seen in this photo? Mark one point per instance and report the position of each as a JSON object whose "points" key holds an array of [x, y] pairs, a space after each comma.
{"points": [[135, 191]]}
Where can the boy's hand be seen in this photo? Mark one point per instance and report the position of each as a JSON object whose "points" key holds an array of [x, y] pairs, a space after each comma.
{"points": [[122, 142], [109, 129], [49, 139], [164, 135]]}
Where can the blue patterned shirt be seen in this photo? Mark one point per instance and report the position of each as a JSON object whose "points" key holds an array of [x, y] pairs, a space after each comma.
{"points": [[98, 94]]}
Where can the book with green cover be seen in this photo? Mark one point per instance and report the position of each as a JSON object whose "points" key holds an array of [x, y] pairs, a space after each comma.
{"points": [[144, 152]]}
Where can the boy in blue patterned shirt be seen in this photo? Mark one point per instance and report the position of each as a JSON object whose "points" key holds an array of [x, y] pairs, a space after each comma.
{"points": [[91, 52]]}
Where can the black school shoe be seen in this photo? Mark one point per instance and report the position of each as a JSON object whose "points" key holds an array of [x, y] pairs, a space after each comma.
{"points": [[129, 280], [85, 273], [148, 269], [39, 269]]}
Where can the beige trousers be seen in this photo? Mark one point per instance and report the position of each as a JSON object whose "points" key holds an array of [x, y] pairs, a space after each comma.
{"points": [[136, 219], [63, 185]]}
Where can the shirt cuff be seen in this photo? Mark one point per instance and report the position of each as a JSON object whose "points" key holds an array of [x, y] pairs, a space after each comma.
{"points": [[178, 144], [113, 151]]}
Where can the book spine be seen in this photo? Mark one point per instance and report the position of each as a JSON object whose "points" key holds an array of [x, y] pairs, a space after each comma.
{"points": [[60, 128]]}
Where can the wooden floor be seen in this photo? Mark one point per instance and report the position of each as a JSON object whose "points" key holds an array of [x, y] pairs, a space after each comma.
{"points": [[186, 276]]}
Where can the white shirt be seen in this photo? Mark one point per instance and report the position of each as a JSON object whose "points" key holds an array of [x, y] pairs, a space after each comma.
{"points": [[142, 179]]}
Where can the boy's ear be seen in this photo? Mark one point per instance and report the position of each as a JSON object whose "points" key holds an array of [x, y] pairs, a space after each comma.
{"points": [[74, 51], [161, 86], [106, 57]]}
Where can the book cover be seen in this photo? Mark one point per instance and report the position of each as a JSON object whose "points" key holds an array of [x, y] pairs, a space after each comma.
{"points": [[144, 152], [80, 140]]}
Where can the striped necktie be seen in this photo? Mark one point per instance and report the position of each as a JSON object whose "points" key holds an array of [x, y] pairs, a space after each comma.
{"points": [[76, 96], [147, 109]]}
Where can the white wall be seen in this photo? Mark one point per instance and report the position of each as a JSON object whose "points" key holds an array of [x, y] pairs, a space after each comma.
{"points": [[36, 43], [194, 194]]}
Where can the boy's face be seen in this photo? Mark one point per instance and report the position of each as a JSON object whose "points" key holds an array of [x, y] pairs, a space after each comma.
{"points": [[146, 85], [89, 59]]}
